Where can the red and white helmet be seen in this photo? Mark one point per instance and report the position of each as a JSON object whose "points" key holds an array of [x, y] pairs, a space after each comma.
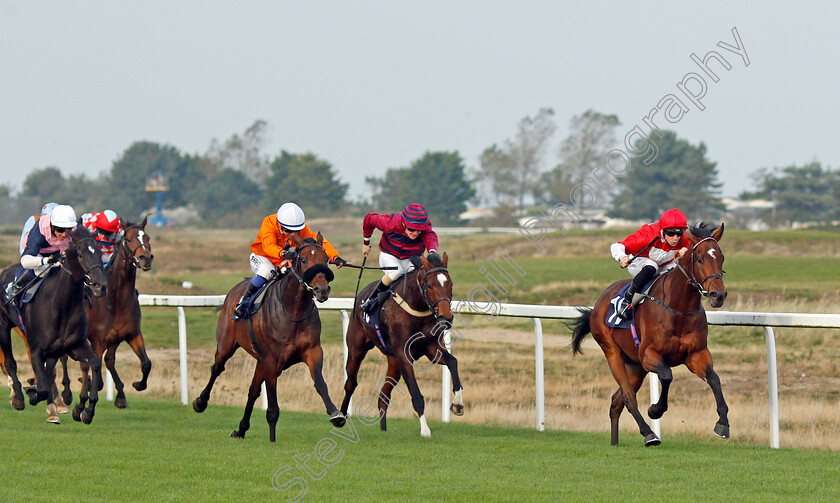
{"points": [[108, 221]]}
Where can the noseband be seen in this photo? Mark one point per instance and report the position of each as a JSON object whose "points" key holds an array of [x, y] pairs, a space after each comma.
{"points": [[692, 277], [310, 273]]}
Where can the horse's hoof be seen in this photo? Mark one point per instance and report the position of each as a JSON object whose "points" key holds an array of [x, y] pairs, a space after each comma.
{"points": [[37, 397], [62, 409], [120, 403], [457, 409], [236, 434], [31, 381], [87, 418], [199, 405], [67, 396], [652, 440], [337, 419], [139, 386], [654, 412], [18, 403], [722, 430], [77, 414], [54, 419]]}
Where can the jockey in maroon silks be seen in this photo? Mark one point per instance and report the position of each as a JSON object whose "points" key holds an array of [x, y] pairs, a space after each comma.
{"points": [[651, 250], [404, 235]]}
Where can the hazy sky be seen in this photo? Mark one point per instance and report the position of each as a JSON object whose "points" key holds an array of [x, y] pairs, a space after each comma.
{"points": [[373, 85]]}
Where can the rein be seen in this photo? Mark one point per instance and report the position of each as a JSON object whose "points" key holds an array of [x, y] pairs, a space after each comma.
{"points": [[87, 280], [424, 294], [300, 279], [698, 285]]}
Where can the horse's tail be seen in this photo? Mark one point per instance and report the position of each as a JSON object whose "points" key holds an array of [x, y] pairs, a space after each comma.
{"points": [[580, 328]]}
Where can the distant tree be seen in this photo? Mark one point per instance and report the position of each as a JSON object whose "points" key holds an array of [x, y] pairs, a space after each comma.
{"points": [[241, 153], [437, 181], [6, 190], [680, 177], [83, 194], [225, 194], [513, 170], [591, 137], [43, 183], [126, 182], [800, 193], [306, 180]]}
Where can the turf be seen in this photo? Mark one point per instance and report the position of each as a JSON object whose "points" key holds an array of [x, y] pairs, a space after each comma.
{"points": [[163, 451]]}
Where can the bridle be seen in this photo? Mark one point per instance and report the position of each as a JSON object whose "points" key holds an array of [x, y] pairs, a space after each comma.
{"points": [[87, 279], [692, 278], [130, 255], [424, 291], [304, 280]]}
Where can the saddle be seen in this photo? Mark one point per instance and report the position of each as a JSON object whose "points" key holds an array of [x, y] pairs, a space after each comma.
{"points": [[253, 303], [27, 293], [615, 321]]}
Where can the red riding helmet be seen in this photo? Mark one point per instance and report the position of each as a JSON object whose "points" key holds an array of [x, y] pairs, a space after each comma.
{"points": [[108, 221], [673, 219]]}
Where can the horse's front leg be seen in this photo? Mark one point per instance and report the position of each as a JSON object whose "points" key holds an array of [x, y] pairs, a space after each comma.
{"points": [[10, 364], [700, 364], [66, 394], [439, 354], [52, 409], [110, 360], [139, 347], [314, 359], [83, 353], [653, 362], [42, 384]]}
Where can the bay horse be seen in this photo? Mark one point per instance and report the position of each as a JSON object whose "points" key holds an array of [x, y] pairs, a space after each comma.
{"points": [[413, 326], [286, 330], [116, 317], [55, 323], [672, 330]]}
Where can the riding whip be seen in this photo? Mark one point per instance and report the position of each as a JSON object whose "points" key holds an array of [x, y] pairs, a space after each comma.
{"points": [[643, 250]]}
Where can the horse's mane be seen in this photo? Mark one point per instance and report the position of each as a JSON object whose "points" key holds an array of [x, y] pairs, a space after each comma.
{"points": [[703, 229]]}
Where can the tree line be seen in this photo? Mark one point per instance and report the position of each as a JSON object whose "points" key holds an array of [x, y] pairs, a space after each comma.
{"points": [[234, 183]]}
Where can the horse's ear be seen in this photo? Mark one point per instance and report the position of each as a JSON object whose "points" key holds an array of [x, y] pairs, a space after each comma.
{"points": [[445, 259], [143, 223], [718, 233], [426, 264], [691, 237], [295, 238], [319, 239]]}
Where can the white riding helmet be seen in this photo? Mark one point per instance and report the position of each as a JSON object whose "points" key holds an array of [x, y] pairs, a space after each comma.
{"points": [[63, 216], [291, 217]]}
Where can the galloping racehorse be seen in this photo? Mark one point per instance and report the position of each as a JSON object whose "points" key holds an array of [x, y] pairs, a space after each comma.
{"points": [[55, 324], [672, 330], [412, 321], [284, 331], [115, 317]]}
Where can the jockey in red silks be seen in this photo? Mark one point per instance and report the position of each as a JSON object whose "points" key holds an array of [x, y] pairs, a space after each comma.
{"points": [[404, 235], [649, 251], [106, 230], [44, 245]]}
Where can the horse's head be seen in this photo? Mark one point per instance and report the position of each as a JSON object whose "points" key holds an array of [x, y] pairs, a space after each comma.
{"points": [[83, 260], [138, 250], [311, 265], [705, 264], [436, 287]]}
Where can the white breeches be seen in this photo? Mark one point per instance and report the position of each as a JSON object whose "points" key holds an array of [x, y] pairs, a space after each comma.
{"points": [[641, 262], [262, 266], [403, 265]]}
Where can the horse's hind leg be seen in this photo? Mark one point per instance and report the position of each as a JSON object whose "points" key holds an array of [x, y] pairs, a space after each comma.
{"points": [[10, 365], [314, 359], [42, 384], [637, 376], [84, 392], [700, 364], [225, 349], [392, 377], [417, 401], [139, 347], [253, 394], [628, 392], [66, 394]]}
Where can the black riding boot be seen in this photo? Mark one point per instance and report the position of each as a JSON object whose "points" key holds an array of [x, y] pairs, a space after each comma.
{"points": [[17, 285], [239, 310], [377, 293], [639, 282]]}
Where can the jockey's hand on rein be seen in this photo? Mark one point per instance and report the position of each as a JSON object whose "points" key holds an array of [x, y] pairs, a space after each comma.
{"points": [[53, 258], [290, 254], [339, 262]]}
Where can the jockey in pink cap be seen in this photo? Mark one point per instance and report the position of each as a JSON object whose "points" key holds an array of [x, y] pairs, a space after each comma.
{"points": [[404, 235], [649, 251]]}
